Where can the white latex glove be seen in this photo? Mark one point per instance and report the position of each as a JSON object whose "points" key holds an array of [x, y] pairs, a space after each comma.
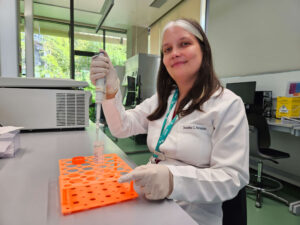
{"points": [[155, 180], [101, 67]]}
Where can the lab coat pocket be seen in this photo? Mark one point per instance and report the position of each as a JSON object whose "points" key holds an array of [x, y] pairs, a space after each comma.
{"points": [[194, 144]]}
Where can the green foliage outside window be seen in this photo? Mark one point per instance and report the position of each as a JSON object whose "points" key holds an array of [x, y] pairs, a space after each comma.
{"points": [[52, 59], [55, 57]]}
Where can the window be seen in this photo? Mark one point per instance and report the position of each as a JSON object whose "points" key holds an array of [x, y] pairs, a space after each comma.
{"points": [[51, 49], [88, 43], [116, 47]]}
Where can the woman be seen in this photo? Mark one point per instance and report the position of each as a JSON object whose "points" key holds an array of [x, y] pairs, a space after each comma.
{"points": [[197, 130]]}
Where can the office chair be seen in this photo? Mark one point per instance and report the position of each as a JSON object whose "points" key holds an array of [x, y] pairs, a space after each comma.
{"points": [[235, 210], [259, 149]]}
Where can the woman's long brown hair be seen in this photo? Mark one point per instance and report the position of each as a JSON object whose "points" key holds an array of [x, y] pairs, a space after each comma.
{"points": [[205, 84]]}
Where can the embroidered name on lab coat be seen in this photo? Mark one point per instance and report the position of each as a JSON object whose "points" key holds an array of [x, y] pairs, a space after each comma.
{"points": [[193, 127]]}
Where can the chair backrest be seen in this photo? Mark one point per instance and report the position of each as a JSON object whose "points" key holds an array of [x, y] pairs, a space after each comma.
{"points": [[235, 210], [253, 142], [260, 123]]}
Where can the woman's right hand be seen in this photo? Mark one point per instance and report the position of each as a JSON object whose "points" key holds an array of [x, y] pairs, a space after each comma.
{"points": [[101, 67]]}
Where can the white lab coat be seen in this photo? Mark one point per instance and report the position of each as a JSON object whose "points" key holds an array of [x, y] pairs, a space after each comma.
{"points": [[207, 152]]}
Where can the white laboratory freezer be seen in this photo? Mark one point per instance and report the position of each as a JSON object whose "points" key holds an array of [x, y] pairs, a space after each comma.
{"points": [[35, 103]]}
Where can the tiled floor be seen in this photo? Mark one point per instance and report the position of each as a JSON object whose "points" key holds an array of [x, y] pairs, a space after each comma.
{"points": [[272, 211]]}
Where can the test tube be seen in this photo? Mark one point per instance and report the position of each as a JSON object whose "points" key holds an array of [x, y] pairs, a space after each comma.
{"points": [[99, 157]]}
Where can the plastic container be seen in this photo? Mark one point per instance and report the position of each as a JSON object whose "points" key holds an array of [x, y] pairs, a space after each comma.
{"points": [[288, 107], [9, 144]]}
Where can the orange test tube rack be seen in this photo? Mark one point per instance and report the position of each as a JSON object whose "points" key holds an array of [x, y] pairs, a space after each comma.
{"points": [[85, 184]]}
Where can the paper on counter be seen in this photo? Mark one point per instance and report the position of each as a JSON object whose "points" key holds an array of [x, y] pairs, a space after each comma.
{"points": [[5, 130]]}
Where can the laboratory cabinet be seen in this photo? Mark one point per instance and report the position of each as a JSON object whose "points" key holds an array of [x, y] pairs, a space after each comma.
{"points": [[143, 68]]}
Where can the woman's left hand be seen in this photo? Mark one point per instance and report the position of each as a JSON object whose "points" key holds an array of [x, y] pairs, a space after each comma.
{"points": [[155, 180]]}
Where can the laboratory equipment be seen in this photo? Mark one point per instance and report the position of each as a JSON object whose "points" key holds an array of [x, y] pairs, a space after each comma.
{"points": [[142, 71], [246, 90], [98, 151], [263, 103], [41, 103], [100, 93], [98, 144], [131, 92], [288, 107], [81, 190]]}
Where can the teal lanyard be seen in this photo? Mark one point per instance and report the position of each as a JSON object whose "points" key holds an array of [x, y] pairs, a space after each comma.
{"points": [[165, 132]]}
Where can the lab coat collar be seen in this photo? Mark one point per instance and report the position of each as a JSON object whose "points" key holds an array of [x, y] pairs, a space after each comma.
{"points": [[214, 95]]}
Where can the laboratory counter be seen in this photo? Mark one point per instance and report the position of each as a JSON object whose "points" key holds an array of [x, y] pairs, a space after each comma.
{"points": [[29, 191], [284, 126]]}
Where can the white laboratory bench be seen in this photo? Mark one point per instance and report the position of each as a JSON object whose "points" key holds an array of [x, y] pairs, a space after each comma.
{"points": [[286, 127], [29, 193]]}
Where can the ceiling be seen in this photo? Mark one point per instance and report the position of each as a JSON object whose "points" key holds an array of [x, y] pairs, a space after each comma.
{"points": [[124, 13]]}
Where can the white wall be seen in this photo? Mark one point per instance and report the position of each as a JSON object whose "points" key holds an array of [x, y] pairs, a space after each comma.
{"points": [[275, 82], [254, 36]]}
